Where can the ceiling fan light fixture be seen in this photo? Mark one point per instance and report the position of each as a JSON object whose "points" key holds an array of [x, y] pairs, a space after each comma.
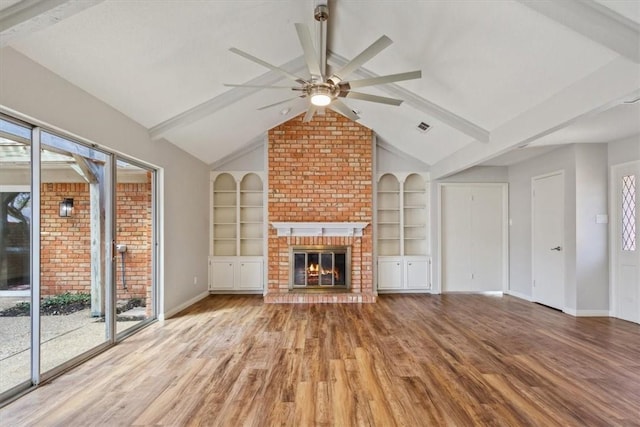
{"points": [[321, 96]]}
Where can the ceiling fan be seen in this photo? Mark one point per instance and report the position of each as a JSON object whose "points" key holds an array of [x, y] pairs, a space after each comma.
{"points": [[324, 91]]}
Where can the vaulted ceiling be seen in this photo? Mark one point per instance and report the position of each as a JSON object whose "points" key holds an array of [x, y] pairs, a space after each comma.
{"points": [[496, 75]]}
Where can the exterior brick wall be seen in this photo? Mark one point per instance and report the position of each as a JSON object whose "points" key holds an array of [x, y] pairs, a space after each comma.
{"points": [[65, 258], [66, 242], [320, 171]]}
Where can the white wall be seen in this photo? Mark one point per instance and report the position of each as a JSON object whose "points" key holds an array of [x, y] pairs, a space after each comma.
{"points": [[480, 174], [625, 150], [592, 248], [585, 241], [251, 158], [42, 97], [520, 219], [390, 159]]}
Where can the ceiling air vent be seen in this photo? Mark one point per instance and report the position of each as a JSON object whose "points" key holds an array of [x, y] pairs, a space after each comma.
{"points": [[423, 127]]}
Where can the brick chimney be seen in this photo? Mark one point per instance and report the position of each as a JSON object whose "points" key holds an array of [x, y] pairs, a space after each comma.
{"points": [[320, 171]]}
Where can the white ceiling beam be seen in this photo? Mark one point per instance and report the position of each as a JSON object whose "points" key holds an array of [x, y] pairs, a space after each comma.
{"points": [[421, 104], [224, 100], [28, 16], [611, 85], [594, 21]]}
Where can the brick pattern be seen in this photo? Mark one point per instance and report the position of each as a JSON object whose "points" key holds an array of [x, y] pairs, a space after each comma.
{"points": [[320, 171], [66, 242], [134, 226]]}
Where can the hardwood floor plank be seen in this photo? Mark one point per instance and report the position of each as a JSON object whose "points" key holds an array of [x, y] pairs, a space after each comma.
{"points": [[342, 397], [409, 360]]}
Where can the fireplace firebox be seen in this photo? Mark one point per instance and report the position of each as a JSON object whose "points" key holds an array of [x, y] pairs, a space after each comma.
{"points": [[320, 267]]}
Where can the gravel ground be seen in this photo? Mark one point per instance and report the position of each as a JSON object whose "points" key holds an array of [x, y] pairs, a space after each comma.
{"points": [[63, 337]]}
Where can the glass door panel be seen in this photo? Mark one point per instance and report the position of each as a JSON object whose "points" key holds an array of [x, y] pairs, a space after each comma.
{"points": [[15, 255], [74, 188], [134, 245]]}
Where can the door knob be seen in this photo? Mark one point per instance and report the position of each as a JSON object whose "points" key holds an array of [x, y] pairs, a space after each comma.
{"points": [[557, 248]]}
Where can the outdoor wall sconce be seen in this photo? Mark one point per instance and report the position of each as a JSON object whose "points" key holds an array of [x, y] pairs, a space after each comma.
{"points": [[66, 206]]}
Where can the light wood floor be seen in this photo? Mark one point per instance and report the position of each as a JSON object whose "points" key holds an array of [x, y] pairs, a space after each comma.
{"points": [[427, 360]]}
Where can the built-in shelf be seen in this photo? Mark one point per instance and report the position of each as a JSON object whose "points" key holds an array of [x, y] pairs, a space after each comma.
{"points": [[238, 215], [401, 233], [237, 233]]}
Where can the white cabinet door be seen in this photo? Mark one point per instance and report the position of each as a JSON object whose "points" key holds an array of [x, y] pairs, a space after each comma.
{"points": [[222, 274], [250, 275], [417, 274], [487, 240], [473, 226], [455, 243], [390, 273]]}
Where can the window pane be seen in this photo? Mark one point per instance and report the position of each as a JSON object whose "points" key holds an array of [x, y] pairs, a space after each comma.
{"points": [[15, 255], [629, 213]]}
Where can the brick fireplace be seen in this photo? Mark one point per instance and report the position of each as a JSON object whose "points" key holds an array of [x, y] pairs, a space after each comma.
{"points": [[320, 195]]}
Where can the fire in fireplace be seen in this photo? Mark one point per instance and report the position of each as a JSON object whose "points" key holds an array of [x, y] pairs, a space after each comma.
{"points": [[320, 267]]}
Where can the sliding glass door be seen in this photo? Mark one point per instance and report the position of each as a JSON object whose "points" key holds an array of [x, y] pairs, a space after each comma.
{"points": [[77, 252], [74, 239], [15, 254], [135, 297]]}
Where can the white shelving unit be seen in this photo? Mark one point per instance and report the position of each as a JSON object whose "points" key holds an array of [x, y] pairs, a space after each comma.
{"points": [[236, 258], [402, 233]]}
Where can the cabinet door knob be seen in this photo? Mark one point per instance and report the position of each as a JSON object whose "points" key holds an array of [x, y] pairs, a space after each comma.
{"points": [[410, 263], [397, 263]]}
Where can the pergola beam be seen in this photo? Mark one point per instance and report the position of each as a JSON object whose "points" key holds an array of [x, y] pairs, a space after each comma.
{"points": [[85, 169]]}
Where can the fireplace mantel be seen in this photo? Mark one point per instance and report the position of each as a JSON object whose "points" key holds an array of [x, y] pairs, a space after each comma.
{"points": [[323, 229]]}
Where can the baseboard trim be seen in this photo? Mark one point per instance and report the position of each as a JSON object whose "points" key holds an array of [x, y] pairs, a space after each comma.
{"points": [[226, 292], [178, 309], [592, 313], [518, 295]]}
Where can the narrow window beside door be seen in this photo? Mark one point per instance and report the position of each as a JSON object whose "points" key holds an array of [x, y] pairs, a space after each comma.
{"points": [[629, 213]]}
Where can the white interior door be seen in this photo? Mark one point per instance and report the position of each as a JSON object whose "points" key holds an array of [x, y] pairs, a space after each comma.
{"points": [[626, 279], [547, 240]]}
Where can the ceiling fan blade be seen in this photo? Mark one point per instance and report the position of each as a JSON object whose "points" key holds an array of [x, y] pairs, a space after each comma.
{"points": [[261, 86], [280, 102], [359, 60], [310, 112], [383, 79], [373, 98], [267, 65], [342, 108], [310, 55]]}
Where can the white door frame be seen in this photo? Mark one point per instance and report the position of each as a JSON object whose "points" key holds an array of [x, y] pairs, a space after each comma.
{"points": [[614, 211], [562, 238], [505, 230]]}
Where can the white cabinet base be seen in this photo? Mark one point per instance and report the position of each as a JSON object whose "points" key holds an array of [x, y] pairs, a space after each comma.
{"points": [[408, 274], [229, 275]]}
